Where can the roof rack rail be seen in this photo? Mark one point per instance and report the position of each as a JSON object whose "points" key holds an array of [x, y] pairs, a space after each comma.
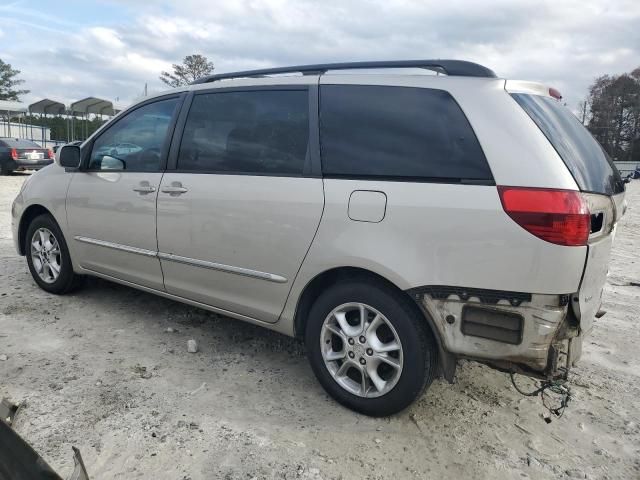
{"points": [[459, 68]]}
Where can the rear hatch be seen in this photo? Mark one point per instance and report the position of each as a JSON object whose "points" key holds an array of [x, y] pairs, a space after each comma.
{"points": [[596, 176]]}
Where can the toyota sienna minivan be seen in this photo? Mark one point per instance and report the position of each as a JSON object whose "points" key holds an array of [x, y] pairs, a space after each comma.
{"points": [[397, 221]]}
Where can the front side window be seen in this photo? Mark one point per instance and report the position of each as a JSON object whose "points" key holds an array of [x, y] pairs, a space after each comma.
{"points": [[135, 142], [262, 132], [397, 133]]}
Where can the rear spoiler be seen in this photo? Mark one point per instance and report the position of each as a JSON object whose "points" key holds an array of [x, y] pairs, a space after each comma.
{"points": [[533, 88]]}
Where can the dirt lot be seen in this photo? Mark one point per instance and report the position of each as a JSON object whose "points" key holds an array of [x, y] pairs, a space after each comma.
{"points": [[99, 370]]}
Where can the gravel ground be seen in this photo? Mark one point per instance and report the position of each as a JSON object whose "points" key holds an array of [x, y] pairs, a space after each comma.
{"points": [[99, 370]]}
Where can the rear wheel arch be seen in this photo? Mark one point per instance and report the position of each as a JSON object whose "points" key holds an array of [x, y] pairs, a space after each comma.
{"points": [[351, 274], [32, 212]]}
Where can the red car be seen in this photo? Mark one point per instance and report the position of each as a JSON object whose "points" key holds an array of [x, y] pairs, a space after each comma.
{"points": [[19, 154]]}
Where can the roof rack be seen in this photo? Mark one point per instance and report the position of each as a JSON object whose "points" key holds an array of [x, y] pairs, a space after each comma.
{"points": [[458, 68]]}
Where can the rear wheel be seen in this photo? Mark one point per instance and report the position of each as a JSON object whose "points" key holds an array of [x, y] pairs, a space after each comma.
{"points": [[369, 348], [48, 256]]}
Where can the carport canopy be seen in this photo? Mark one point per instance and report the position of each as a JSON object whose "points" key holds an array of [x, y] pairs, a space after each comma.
{"points": [[47, 107], [93, 105]]}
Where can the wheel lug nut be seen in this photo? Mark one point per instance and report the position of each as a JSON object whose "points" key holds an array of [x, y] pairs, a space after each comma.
{"points": [[351, 342], [369, 351], [351, 355], [362, 361], [362, 339]]}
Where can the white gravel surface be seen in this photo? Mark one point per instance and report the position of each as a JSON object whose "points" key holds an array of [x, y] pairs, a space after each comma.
{"points": [[107, 370]]}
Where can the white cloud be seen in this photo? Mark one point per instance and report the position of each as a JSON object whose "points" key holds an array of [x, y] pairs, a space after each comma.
{"points": [[566, 44], [106, 37]]}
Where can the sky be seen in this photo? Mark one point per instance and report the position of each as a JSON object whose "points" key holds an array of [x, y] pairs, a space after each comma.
{"points": [[67, 50]]}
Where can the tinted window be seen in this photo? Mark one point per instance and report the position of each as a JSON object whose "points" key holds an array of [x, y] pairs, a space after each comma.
{"points": [[397, 132], [264, 132], [134, 142], [589, 164], [18, 143]]}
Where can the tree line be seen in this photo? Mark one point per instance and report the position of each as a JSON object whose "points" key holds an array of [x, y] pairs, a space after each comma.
{"points": [[611, 112]]}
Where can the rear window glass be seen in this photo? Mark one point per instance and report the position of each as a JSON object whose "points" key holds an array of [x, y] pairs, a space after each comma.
{"points": [[18, 143], [397, 133], [587, 161]]}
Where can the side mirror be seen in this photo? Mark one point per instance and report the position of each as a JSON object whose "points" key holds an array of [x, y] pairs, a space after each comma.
{"points": [[69, 156]]}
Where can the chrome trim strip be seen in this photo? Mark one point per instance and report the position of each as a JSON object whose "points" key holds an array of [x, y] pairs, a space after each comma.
{"points": [[117, 246], [271, 277]]}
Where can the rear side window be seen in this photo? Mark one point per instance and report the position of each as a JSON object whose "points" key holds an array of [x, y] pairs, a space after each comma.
{"points": [[18, 143], [589, 164], [397, 133], [262, 132]]}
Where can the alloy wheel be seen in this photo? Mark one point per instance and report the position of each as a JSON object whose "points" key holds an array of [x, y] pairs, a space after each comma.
{"points": [[361, 350], [46, 255]]}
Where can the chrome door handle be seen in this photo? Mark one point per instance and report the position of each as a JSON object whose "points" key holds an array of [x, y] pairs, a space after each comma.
{"points": [[174, 190], [144, 189]]}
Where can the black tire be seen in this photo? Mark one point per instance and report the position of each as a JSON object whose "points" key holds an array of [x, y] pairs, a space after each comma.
{"points": [[5, 168], [67, 280], [419, 348]]}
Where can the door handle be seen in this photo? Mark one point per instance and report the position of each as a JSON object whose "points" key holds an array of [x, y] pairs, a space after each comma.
{"points": [[174, 189], [144, 189]]}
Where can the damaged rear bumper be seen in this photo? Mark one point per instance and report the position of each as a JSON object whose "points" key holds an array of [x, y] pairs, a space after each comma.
{"points": [[537, 335]]}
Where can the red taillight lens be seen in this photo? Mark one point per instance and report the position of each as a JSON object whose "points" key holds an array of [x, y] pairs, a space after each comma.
{"points": [[51, 156], [14, 154], [557, 216]]}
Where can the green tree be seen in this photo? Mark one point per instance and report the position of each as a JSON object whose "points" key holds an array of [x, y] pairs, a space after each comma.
{"points": [[192, 68], [9, 82], [614, 114]]}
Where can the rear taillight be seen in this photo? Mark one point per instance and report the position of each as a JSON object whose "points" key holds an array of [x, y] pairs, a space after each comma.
{"points": [[14, 154], [557, 216], [51, 156]]}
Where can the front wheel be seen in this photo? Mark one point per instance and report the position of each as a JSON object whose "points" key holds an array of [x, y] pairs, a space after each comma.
{"points": [[48, 257], [369, 348]]}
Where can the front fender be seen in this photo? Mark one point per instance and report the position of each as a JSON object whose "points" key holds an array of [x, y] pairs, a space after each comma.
{"points": [[45, 189]]}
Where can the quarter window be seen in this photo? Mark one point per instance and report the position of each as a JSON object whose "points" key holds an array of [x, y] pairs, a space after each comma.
{"points": [[397, 133], [587, 161], [135, 142], [263, 132]]}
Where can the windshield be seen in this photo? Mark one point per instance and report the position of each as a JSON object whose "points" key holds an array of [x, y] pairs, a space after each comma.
{"points": [[587, 161]]}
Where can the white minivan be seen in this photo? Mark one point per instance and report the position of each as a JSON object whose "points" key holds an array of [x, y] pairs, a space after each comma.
{"points": [[395, 220]]}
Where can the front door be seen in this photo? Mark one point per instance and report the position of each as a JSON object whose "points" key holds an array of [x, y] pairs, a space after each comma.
{"points": [[111, 202], [237, 216]]}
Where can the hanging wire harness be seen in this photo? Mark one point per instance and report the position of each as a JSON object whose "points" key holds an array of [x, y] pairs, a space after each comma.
{"points": [[559, 388]]}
